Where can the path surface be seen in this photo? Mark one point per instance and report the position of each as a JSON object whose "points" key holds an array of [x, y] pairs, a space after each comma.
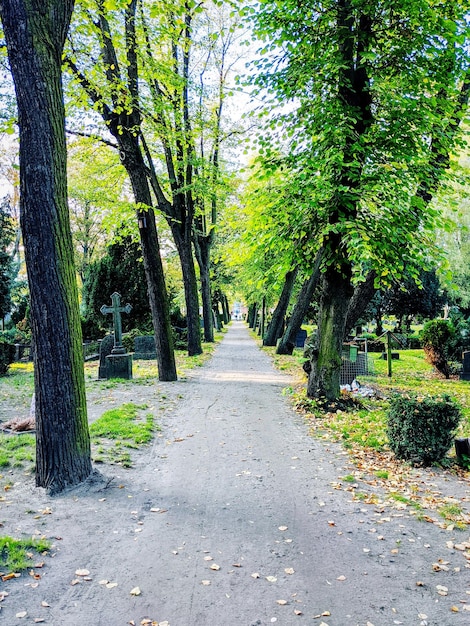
{"points": [[232, 518]]}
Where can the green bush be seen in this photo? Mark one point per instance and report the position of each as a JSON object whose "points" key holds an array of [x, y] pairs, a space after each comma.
{"points": [[7, 354], [421, 429], [438, 338], [128, 339]]}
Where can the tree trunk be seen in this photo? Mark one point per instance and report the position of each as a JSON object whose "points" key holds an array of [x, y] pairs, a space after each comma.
{"points": [[35, 40], [277, 322], [363, 294], [184, 247], [226, 309], [287, 343], [202, 246], [324, 378], [131, 158], [251, 315]]}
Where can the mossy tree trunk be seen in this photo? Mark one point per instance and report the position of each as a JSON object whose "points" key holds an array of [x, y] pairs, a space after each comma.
{"points": [[35, 33]]}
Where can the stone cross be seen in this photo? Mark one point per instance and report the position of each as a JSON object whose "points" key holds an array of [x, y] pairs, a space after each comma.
{"points": [[116, 309]]}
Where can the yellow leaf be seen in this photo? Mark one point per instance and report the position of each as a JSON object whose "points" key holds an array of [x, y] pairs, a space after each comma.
{"points": [[215, 567]]}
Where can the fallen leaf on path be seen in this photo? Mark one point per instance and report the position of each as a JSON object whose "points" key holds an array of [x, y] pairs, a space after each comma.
{"points": [[205, 582], [255, 575], [39, 620], [283, 528], [441, 590], [208, 558], [289, 570], [112, 585], [454, 609], [44, 603], [81, 572], [22, 614], [136, 591], [341, 578], [281, 602], [236, 565], [75, 581], [103, 582], [215, 567], [297, 612], [271, 579]]}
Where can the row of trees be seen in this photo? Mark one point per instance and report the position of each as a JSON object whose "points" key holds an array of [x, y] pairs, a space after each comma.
{"points": [[149, 81], [376, 94], [363, 101]]}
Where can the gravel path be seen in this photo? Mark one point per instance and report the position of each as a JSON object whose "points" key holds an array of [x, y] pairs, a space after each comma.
{"points": [[233, 517]]}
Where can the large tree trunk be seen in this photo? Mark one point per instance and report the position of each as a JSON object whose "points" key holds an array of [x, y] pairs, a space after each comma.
{"points": [[131, 158], [203, 247], [324, 378], [35, 38], [277, 321], [287, 343]]}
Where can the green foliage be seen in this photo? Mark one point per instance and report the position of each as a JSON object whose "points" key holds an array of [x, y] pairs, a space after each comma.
{"points": [[121, 270], [14, 553], [438, 340], [7, 266], [421, 429]]}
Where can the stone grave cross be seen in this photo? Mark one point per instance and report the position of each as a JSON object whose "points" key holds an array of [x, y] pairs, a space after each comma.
{"points": [[116, 309]]}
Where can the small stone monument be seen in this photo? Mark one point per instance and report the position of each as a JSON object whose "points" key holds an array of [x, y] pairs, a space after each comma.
{"points": [[465, 373], [118, 363], [144, 347], [106, 346]]}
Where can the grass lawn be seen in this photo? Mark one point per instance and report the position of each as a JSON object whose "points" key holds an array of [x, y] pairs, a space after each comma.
{"points": [[114, 434], [362, 431]]}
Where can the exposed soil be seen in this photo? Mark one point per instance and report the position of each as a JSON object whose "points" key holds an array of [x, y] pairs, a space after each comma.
{"points": [[234, 515]]}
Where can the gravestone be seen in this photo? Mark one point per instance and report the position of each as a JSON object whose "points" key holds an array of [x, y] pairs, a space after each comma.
{"points": [[300, 338], [144, 347], [465, 374], [118, 363], [106, 345]]}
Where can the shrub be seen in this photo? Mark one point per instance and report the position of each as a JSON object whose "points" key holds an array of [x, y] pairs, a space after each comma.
{"points": [[7, 354], [421, 429], [438, 338]]}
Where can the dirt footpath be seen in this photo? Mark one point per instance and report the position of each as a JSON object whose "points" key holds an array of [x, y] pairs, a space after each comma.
{"points": [[232, 517]]}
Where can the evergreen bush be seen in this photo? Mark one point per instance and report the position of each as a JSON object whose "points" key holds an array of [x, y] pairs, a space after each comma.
{"points": [[421, 429], [7, 354], [438, 338]]}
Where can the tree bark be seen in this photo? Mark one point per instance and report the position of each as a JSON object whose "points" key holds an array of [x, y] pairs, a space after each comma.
{"points": [[276, 324], [287, 343], [35, 33], [132, 160], [363, 294], [324, 378], [203, 249]]}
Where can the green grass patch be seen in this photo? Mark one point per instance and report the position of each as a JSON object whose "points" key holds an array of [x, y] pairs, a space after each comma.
{"points": [[18, 554], [17, 451], [119, 430]]}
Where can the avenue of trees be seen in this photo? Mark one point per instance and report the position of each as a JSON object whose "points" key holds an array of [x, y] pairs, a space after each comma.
{"points": [[359, 118]]}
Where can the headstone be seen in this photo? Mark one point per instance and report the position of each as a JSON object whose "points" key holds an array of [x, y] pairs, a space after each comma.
{"points": [[116, 309], [465, 374], [118, 363], [300, 338], [144, 347], [106, 345]]}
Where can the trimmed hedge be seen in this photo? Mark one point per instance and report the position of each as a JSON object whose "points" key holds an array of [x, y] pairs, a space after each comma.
{"points": [[421, 429]]}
